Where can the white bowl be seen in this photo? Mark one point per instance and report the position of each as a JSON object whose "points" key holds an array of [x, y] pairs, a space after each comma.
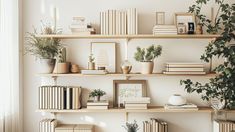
{"points": [[177, 99]]}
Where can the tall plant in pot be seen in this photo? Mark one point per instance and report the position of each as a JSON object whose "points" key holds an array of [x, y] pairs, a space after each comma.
{"points": [[146, 56], [62, 66], [221, 87], [44, 49]]}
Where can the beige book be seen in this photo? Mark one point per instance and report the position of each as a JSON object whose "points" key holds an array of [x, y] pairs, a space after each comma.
{"points": [[114, 22], [106, 22], [101, 23], [97, 107], [74, 98], [184, 73]]}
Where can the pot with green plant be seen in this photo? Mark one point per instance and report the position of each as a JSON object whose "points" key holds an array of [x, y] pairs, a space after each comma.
{"points": [[91, 62], [62, 66], [222, 86], [146, 56], [131, 127], [44, 49], [96, 94]]}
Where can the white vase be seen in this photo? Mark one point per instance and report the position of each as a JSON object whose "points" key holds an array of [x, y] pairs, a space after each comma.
{"points": [[147, 67], [177, 99], [46, 65]]}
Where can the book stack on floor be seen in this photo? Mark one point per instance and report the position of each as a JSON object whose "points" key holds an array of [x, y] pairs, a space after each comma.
{"points": [[155, 125], [188, 106], [47, 125], [116, 22], [75, 128], [223, 126], [59, 97], [185, 68], [94, 72], [103, 104], [136, 102], [80, 27], [164, 30]]}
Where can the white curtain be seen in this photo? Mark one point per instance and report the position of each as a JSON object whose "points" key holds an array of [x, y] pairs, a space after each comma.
{"points": [[9, 66]]}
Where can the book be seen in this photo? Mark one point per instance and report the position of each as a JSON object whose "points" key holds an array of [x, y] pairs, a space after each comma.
{"points": [[136, 105], [98, 103], [184, 73], [172, 69], [184, 63], [97, 107], [94, 72], [181, 107]]}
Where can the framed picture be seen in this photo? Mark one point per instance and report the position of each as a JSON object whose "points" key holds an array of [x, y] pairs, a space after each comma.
{"points": [[181, 28], [184, 18], [128, 88], [105, 55], [191, 28], [160, 18]]}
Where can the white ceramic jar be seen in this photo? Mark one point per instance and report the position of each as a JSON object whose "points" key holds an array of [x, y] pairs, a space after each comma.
{"points": [[177, 99]]}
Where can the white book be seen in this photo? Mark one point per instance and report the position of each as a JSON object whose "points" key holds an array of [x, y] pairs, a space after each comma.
{"points": [[67, 98], [184, 66], [178, 69], [114, 22], [184, 73], [117, 23], [74, 98], [165, 26], [59, 98], [107, 22], [46, 98], [101, 103], [110, 22], [53, 97], [101, 23], [164, 33], [40, 97], [164, 29], [138, 99], [136, 21], [125, 24], [128, 21], [184, 63], [97, 107], [136, 105], [93, 72]]}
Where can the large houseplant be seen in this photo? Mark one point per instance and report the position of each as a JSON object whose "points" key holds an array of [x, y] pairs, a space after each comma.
{"points": [[146, 56], [44, 49], [222, 87]]}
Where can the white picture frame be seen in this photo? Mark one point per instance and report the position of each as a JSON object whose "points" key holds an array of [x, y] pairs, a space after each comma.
{"points": [[160, 18], [184, 18]]}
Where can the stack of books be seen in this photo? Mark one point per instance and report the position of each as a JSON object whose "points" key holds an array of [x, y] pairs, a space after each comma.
{"points": [[185, 68], [116, 22], [155, 125], [223, 126], [104, 104], [164, 30], [47, 125], [93, 72], [136, 103], [188, 106], [80, 27], [74, 128], [59, 97]]}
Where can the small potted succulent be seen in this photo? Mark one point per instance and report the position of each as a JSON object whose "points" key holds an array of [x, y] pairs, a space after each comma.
{"points": [[62, 66], [146, 56], [131, 127], [96, 94], [91, 63]]}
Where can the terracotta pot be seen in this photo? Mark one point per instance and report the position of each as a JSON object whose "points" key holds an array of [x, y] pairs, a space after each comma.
{"points": [[91, 66], [74, 68], [46, 65], [147, 67], [61, 68]]}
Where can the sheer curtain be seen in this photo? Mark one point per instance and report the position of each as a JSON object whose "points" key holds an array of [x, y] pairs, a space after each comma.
{"points": [[9, 66]]}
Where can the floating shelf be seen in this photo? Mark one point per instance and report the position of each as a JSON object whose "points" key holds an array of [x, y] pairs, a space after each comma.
{"points": [[123, 75], [156, 109], [140, 36]]}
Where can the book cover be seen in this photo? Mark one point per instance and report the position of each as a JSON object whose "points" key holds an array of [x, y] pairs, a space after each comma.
{"points": [[172, 69]]}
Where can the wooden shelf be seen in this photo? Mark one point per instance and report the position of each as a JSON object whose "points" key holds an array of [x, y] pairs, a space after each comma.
{"points": [[157, 109], [140, 36], [122, 75]]}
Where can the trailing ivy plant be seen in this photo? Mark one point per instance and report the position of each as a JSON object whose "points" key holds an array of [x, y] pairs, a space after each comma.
{"points": [[223, 85]]}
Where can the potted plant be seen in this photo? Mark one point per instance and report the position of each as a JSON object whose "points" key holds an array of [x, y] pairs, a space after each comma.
{"points": [[91, 63], [61, 65], [131, 127], [96, 94], [221, 87], [44, 49], [146, 56]]}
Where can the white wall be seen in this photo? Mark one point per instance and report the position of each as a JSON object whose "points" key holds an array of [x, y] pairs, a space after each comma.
{"points": [[159, 88]]}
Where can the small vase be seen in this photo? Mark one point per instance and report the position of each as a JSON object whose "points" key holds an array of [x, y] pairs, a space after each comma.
{"points": [[91, 66], [126, 67], [177, 99], [96, 98], [47, 65], [199, 29], [74, 68], [147, 67]]}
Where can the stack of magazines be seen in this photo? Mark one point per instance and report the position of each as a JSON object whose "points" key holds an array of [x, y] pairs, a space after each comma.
{"points": [[103, 104], [164, 30], [188, 106], [80, 27], [136, 102]]}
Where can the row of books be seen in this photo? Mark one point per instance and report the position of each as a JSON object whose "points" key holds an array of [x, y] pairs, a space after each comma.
{"points": [[223, 126], [184, 68], [188, 106], [116, 22], [136, 102], [155, 125], [164, 30], [75, 128], [80, 27], [47, 125], [103, 104], [59, 97]]}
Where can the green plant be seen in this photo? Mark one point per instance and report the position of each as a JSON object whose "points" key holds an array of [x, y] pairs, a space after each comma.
{"points": [[43, 48], [97, 93], [61, 58], [131, 127], [223, 85], [91, 58], [147, 54]]}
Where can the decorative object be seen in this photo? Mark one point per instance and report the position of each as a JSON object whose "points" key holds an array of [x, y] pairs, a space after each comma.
{"points": [[177, 99], [91, 63], [191, 27], [74, 68], [105, 55], [96, 94], [126, 67], [160, 18], [184, 18], [221, 86], [44, 49], [61, 66], [128, 88], [199, 29], [131, 127], [217, 104], [146, 56], [181, 28]]}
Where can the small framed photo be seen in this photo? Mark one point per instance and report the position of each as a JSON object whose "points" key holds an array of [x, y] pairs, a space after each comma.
{"points": [[160, 18], [184, 18], [191, 28], [128, 88], [181, 28]]}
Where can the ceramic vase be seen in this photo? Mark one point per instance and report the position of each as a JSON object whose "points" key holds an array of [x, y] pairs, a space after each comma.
{"points": [[147, 67]]}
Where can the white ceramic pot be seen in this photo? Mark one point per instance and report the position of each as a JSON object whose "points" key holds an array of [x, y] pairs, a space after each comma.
{"points": [[46, 65], [147, 67], [177, 99]]}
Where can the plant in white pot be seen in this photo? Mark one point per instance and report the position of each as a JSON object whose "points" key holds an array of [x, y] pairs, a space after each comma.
{"points": [[44, 49], [62, 66], [96, 94], [146, 56]]}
